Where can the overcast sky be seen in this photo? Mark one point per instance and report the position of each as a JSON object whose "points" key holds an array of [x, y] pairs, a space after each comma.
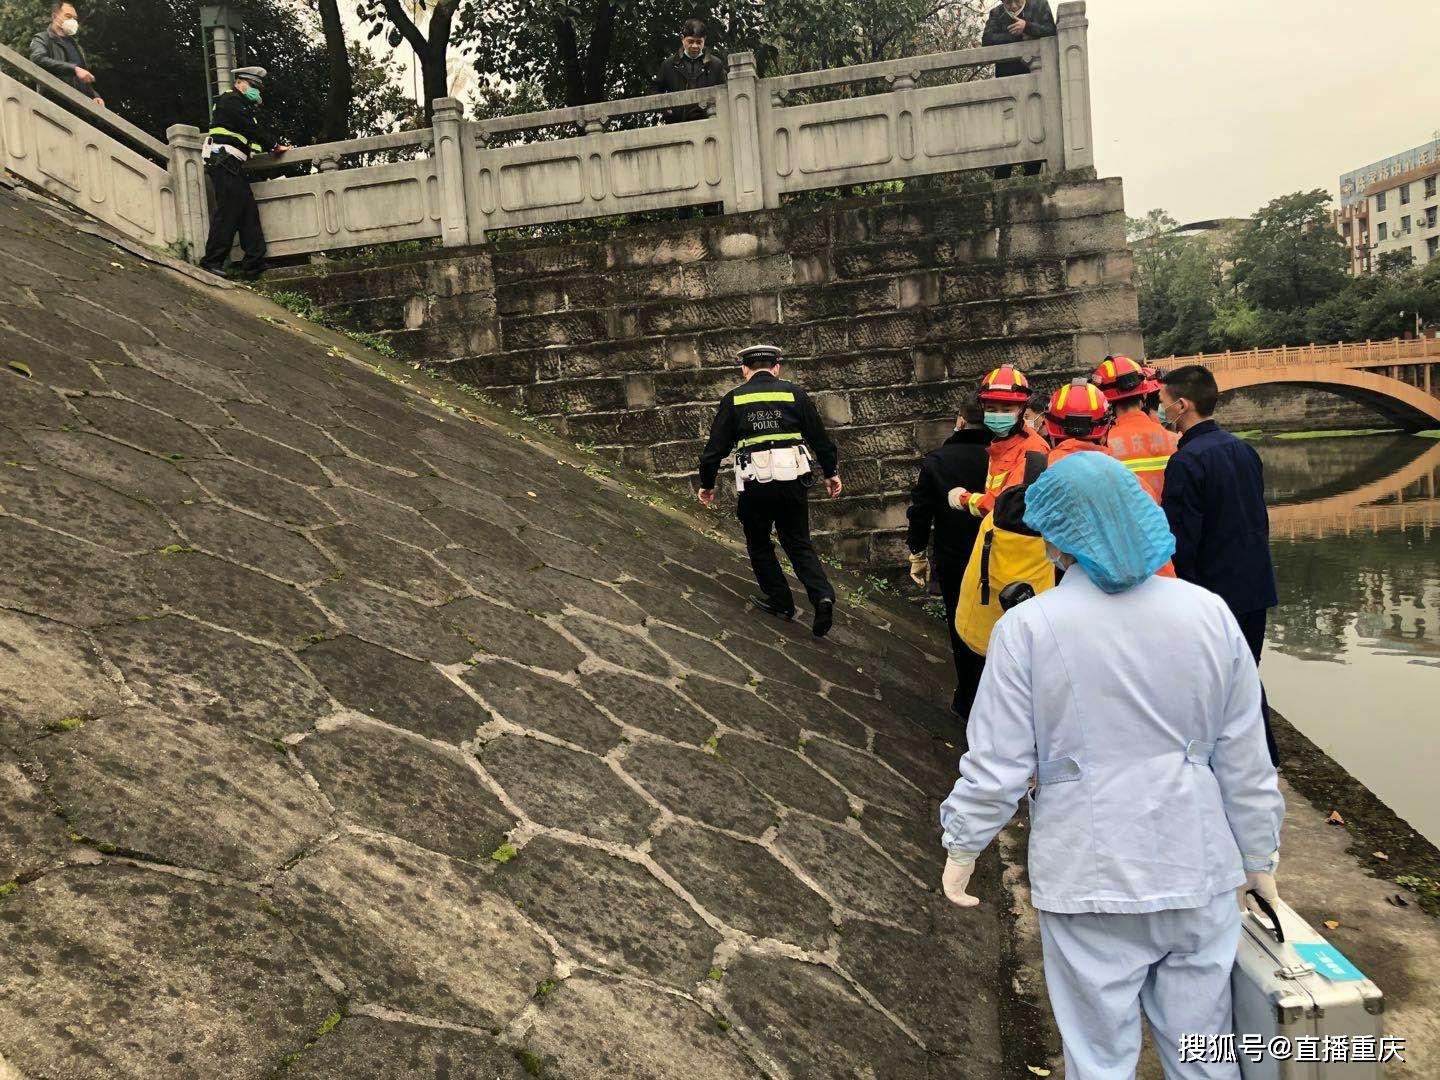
{"points": [[1209, 108]]}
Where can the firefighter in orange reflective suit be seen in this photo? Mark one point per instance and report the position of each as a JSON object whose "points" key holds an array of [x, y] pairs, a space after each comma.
{"points": [[1004, 393], [1136, 438]]}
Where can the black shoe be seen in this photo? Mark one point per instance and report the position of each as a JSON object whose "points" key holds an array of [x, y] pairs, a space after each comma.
{"points": [[770, 607], [824, 617]]}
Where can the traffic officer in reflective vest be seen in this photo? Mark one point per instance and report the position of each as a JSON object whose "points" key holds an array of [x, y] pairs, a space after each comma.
{"points": [[768, 422], [234, 135]]}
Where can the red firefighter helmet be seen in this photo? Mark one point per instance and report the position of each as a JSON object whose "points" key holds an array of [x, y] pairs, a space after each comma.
{"points": [[1119, 377], [1078, 410], [1152, 378], [1005, 385]]}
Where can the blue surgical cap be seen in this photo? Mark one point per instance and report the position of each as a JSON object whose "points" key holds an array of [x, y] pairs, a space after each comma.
{"points": [[1092, 507]]}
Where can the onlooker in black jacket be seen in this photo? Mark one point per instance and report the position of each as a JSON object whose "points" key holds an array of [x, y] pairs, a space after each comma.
{"points": [[1009, 22], [56, 50], [692, 68], [961, 461], [1214, 498]]}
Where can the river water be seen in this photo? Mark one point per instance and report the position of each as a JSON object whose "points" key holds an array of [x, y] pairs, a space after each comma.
{"points": [[1353, 650]]}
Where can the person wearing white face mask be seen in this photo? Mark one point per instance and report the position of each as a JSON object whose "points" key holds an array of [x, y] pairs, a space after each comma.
{"points": [[1154, 799], [692, 68], [56, 50]]}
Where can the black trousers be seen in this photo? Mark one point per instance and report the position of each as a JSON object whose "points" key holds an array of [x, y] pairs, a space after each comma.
{"points": [[234, 211], [1252, 625], [781, 506], [968, 665]]}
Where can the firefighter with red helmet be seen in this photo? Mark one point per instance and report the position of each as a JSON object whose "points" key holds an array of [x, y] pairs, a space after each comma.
{"points": [[1136, 437], [1004, 393], [1077, 419]]}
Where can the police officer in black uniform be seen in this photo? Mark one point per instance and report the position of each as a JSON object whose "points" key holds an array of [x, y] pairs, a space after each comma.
{"points": [[234, 135], [768, 422]]}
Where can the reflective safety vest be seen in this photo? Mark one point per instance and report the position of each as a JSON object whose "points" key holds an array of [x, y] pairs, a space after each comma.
{"points": [[1144, 447], [1006, 469]]}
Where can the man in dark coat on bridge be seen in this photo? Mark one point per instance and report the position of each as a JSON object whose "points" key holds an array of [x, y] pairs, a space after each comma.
{"points": [[1011, 21], [962, 461], [1214, 499]]}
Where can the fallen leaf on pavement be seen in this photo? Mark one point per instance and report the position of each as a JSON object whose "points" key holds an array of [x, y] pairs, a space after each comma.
{"points": [[1037, 1070], [1397, 901], [1381, 856], [1335, 818], [1331, 924]]}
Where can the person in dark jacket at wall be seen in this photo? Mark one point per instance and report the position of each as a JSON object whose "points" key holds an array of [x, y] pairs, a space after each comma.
{"points": [[768, 422], [1214, 499], [56, 50], [961, 461], [235, 133], [692, 68], [1011, 21]]}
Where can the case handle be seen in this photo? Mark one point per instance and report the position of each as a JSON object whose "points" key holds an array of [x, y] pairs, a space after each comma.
{"points": [[1276, 931]]}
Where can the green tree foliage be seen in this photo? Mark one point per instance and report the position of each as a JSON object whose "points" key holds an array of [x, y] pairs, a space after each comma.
{"points": [[1279, 280]]}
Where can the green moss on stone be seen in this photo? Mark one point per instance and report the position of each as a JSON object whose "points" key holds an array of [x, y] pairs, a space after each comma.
{"points": [[715, 974], [20, 368], [70, 723], [545, 988], [531, 1062], [105, 848], [328, 1025], [175, 549], [8, 889], [505, 852]]}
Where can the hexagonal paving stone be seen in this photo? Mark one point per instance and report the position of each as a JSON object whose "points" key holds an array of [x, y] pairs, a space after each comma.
{"points": [[562, 554], [388, 563], [785, 777], [851, 872], [26, 401], [374, 449], [514, 634], [393, 1050], [190, 372], [592, 597], [262, 453], [498, 546], [933, 765], [394, 621], [813, 1022], [623, 648], [407, 693], [184, 792], [382, 483], [384, 517], [50, 367], [669, 605], [741, 708], [251, 542], [146, 388], [137, 973], [924, 713], [769, 662], [231, 596], [699, 653], [131, 472], [68, 338], [529, 699], [699, 785], [523, 590], [592, 1028], [32, 836], [82, 508], [911, 839], [68, 579], [399, 785], [566, 789], [74, 682], [869, 710], [941, 985], [743, 885], [609, 912], [188, 669], [652, 706], [832, 665], [144, 427], [415, 931], [813, 711], [864, 776], [282, 427], [268, 496], [454, 506]]}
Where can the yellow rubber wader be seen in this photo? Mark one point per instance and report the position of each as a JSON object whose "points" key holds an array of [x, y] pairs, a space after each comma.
{"points": [[998, 558]]}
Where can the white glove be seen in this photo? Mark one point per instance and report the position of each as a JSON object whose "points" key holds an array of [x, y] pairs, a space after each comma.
{"points": [[1260, 882], [956, 879], [920, 569], [956, 498]]}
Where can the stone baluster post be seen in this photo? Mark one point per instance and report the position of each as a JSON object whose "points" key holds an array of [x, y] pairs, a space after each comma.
{"points": [[450, 169], [187, 182], [742, 121], [1071, 27]]}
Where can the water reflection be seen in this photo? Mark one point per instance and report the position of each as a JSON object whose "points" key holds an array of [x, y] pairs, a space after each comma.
{"points": [[1354, 645]]}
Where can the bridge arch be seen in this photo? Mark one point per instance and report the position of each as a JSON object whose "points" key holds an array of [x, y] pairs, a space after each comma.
{"points": [[1408, 407]]}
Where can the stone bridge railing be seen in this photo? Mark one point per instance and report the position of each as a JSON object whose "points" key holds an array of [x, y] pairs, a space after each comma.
{"points": [[759, 140]]}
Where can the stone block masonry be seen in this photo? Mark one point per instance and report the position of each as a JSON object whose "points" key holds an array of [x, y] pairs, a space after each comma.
{"points": [[887, 307]]}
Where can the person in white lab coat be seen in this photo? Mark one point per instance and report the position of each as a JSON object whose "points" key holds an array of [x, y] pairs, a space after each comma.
{"points": [[1134, 702]]}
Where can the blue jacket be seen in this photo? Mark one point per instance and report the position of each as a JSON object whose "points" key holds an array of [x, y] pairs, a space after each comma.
{"points": [[1214, 499], [1155, 790]]}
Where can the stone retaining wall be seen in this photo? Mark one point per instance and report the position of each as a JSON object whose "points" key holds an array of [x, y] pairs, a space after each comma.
{"points": [[887, 307]]}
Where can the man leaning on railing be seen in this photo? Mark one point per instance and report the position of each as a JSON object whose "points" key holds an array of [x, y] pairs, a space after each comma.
{"points": [[55, 50], [1011, 21]]}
